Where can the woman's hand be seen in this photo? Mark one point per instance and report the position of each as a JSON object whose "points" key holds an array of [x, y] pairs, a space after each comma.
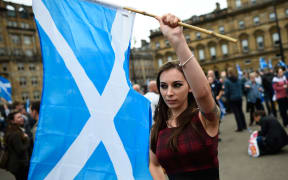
{"points": [[171, 30]]}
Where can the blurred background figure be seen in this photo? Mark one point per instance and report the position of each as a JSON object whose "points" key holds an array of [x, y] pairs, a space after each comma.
{"points": [[152, 95], [254, 91], [272, 137], [18, 145], [280, 88], [268, 91], [233, 94], [137, 88], [35, 108]]}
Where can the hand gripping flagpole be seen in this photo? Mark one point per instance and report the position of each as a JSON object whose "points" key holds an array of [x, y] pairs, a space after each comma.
{"points": [[187, 26]]}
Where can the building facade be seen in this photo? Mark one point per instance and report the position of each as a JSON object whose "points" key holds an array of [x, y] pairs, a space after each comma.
{"points": [[141, 67], [20, 55], [253, 22]]}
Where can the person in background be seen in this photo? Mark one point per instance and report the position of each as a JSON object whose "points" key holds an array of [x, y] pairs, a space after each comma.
{"points": [[280, 89], [137, 88], [35, 108], [184, 136], [152, 95], [258, 77], [268, 91], [18, 145], [253, 90], [272, 137], [233, 94]]}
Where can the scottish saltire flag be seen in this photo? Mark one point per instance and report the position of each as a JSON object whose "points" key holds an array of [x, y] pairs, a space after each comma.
{"points": [[5, 89], [270, 64], [281, 63], [92, 124], [262, 63], [240, 73]]}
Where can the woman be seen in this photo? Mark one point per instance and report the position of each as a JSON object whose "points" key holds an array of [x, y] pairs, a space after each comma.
{"points": [[233, 94], [17, 144], [280, 87], [184, 137]]}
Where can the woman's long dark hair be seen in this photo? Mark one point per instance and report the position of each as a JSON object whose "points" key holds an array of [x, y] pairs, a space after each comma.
{"points": [[162, 114]]}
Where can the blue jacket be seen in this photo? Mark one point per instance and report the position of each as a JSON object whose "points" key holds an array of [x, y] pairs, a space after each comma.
{"points": [[253, 92], [233, 89]]}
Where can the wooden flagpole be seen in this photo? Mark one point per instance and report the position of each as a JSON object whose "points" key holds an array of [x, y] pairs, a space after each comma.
{"points": [[187, 26]]}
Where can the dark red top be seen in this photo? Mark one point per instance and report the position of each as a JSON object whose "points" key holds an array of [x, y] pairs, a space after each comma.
{"points": [[196, 152]]}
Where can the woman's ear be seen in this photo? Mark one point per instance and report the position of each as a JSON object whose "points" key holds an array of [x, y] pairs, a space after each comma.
{"points": [[190, 90]]}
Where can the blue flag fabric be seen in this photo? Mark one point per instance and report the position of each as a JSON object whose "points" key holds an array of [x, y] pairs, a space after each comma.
{"points": [[92, 124], [5, 89], [262, 63], [281, 63], [270, 64], [240, 73]]}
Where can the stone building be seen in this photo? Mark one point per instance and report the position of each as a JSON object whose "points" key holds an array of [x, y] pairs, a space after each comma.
{"points": [[252, 22], [20, 56], [141, 66]]}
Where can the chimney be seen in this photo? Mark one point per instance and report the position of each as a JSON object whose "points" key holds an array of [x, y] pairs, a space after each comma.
{"points": [[217, 6]]}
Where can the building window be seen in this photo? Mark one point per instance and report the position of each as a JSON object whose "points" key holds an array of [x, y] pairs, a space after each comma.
{"points": [[157, 45], [256, 20], [2, 51], [32, 67], [198, 35], [275, 39], [213, 52], [28, 52], [167, 43], [22, 81], [286, 12], [187, 37], [17, 52], [244, 44], [201, 54], [27, 40], [221, 29], [4, 67], [15, 39], [253, 1], [241, 25], [260, 42], [272, 16], [25, 96], [169, 58], [27, 26], [23, 13], [160, 62], [36, 95], [1, 38], [34, 81], [238, 3], [11, 11], [248, 61], [224, 49], [20, 67]]}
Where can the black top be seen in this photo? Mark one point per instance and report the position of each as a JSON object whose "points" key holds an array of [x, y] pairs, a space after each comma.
{"points": [[274, 134], [206, 174]]}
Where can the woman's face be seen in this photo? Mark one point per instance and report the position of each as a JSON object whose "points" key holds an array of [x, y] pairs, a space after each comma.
{"points": [[174, 89], [280, 72], [18, 119]]}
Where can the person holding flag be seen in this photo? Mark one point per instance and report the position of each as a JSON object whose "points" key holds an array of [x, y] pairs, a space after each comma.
{"points": [[187, 117]]}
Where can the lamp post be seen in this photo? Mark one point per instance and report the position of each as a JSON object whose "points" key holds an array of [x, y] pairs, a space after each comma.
{"points": [[279, 32]]}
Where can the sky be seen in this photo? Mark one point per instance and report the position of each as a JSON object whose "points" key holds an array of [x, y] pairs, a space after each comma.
{"points": [[183, 9]]}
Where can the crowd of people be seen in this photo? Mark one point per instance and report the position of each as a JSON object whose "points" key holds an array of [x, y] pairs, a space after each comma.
{"points": [[17, 131]]}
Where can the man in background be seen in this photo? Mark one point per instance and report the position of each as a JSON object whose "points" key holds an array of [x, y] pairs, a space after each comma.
{"points": [[152, 95]]}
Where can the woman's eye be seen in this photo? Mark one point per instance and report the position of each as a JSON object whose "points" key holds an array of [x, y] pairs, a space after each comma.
{"points": [[177, 85], [163, 86]]}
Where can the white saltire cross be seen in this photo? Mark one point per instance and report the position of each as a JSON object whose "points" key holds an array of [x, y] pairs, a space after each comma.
{"points": [[100, 126]]}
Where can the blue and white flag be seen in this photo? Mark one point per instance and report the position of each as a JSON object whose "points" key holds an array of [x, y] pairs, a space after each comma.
{"points": [[282, 64], [92, 124], [270, 64], [262, 63], [240, 73], [5, 89]]}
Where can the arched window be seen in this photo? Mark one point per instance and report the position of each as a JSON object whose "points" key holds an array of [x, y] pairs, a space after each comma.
{"points": [[10, 11], [260, 42], [244, 44], [224, 48], [275, 39], [238, 3], [201, 54]]}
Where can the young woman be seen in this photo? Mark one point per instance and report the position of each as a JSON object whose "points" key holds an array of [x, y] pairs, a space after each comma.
{"points": [[184, 137], [18, 144]]}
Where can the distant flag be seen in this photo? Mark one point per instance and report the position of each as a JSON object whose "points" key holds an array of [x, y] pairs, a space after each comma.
{"points": [[270, 64], [240, 73], [92, 125], [281, 63], [5, 89], [27, 105], [262, 63]]}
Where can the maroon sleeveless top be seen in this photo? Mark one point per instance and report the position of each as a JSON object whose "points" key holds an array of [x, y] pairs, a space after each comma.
{"points": [[196, 151]]}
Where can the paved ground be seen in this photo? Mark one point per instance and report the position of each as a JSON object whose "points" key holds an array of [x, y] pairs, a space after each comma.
{"points": [[235, 164]]}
